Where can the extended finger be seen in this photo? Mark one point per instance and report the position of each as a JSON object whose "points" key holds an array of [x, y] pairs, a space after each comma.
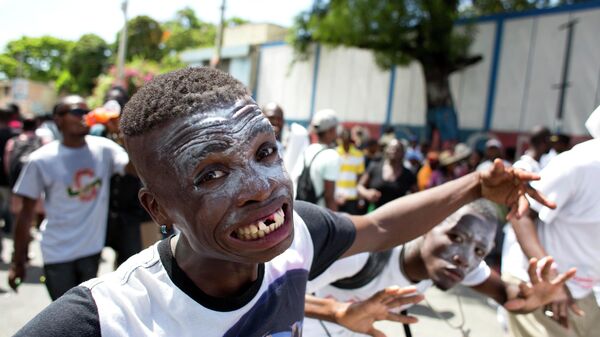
{"points": [[532, 270], [523, 205], [392, 293], [563, 318], [546, 268], [576, 309], [512, 213], [396, 302], [405, 319], [525, 176], [564, 277], [536, 195], [555, 311]]}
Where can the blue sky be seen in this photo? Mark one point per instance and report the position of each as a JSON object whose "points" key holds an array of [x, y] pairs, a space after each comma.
{"points": [[69, 19]]}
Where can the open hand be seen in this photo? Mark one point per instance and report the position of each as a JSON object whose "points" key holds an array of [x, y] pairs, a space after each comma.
{"points": [[508, 186], [360, 316], [542, 290]]}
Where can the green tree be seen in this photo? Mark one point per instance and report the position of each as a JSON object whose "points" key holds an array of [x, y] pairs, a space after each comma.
{"points": [[187, 31], [399, 32], [37, 58], [88, 58], [144, 39]]}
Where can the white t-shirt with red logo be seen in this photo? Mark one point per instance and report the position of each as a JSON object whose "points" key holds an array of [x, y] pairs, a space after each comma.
{"points": [[74, 183]]}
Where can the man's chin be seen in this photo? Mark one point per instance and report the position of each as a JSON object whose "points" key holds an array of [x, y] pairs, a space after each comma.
{"points": [[443, 285]]}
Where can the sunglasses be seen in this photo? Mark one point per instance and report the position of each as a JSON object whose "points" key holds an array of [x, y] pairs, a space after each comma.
{"points": [[76, 112]]}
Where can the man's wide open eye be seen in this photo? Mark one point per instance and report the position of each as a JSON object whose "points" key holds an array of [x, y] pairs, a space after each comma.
{"points": [[266, 151], [209, 176], [455, 238], [479, 252]]}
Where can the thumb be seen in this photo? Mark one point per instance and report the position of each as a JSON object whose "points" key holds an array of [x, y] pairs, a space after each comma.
{"points": [[514, 304], [375, 333]]}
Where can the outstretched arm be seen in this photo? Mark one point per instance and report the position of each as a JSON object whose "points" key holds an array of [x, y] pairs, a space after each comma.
{"points": [[411, 216], [360, 316]]}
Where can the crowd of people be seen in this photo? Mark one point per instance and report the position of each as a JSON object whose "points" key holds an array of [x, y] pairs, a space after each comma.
{"points": [[193, 153]]}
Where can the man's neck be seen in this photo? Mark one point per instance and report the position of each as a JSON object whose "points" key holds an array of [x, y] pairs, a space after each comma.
{"points": [[217, 278], [73, 141], [412, 262]]}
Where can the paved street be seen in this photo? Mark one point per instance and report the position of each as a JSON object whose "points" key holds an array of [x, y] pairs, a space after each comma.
{"points": [[480, 318]]}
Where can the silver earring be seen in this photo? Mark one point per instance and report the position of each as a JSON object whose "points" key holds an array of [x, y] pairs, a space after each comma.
{"points": [[163, 229]]}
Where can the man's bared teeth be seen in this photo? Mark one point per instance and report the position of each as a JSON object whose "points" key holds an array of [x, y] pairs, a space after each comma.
{"points": [[262, 226], [260, 229]]}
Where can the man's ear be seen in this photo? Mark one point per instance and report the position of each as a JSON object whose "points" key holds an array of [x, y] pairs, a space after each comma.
{"points": [[152, 206]]}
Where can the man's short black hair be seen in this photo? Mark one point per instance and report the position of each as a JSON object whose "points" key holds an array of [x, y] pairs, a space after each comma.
{"points": [[179, 93]]}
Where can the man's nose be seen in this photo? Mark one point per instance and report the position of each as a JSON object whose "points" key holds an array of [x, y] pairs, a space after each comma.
{"points": [[460, 260], [255, 186]]}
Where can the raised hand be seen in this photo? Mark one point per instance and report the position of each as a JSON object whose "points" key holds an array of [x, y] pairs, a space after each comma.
{"points": [[542, 290], [508, 186], [360, 316]]}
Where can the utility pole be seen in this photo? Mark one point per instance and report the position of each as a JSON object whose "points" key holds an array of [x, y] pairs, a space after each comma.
{"points": [[122, 48], [214, 62], [564, 81]]}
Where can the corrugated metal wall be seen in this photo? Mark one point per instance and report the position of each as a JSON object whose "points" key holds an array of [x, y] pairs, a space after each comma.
{"points": [[512, 89]]}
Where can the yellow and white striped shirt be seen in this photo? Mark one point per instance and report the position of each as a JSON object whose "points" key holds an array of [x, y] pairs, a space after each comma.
{"points": [[352, 166]]}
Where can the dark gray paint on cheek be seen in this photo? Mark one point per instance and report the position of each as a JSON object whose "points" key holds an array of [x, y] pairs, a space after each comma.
{"points": [[478, 232]]}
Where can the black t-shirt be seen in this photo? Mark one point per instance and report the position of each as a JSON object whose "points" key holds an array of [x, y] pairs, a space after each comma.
{"points": [[390, 190], [76, 313]]}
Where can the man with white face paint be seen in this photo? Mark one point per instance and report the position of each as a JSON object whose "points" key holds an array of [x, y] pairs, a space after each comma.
{"points": [[450, 253]]}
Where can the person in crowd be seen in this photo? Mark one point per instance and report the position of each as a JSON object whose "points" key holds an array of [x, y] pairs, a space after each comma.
{"points": [[388, 179], [73, 175], [570, 234], [125, 213], [323, 159], [474, 160], [6, 133], [239, 266], [493, 151], [431, 164], [274, 114], [371, 152], [352, 166], [451, 253], [16, 155], [559, 143]]}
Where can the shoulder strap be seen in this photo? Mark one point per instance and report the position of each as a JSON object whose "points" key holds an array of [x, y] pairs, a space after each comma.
{"points": [[375, 264], [313, 158]]}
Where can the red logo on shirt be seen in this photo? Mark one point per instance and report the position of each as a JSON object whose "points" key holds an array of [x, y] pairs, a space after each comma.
{"points": [[85, 185]]}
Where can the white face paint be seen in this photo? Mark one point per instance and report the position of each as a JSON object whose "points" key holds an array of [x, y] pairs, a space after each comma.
{"points": [[218, 174], [454, 248]]}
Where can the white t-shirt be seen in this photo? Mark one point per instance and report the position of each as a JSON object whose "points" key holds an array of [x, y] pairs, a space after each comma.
{"points": [[389, 276], [75, 185], [570, 233], [326, 166], [149, 295]]}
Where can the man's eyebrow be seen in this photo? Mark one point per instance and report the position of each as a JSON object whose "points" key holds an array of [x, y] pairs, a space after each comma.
{"points": [[211, 148], [260, 128]]}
